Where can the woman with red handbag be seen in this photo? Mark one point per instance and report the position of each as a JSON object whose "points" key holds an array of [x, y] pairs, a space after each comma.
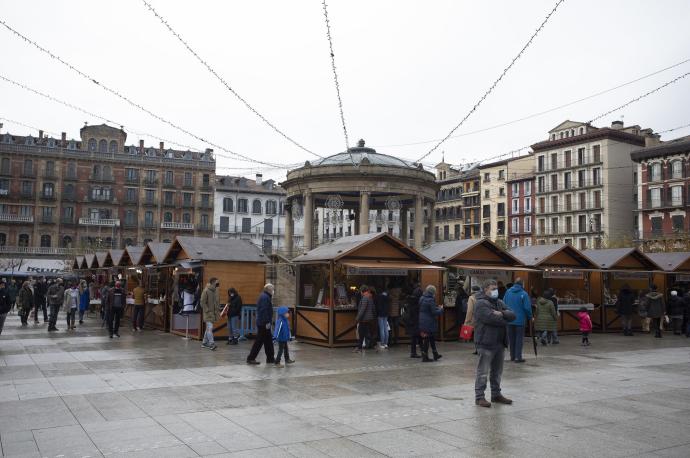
{"points": [[467, 329]]}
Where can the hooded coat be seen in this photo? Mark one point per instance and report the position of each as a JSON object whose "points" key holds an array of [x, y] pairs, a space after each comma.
{"points": [[282, 331], [428, 313], [26, 297], [676, 306], [545, 318], [626, 301], [585, 321], [517, 300], [489, 327], [655, 304], [209, 303], [367, 309]]}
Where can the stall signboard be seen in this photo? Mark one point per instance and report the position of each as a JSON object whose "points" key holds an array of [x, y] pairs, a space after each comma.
{"points": [[379, 272], [308, 291], [630, 275], [563, 274], [481, 272], [683, 277]]}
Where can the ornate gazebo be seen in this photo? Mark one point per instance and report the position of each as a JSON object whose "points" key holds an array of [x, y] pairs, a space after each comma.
{"points": [[361, 180]]}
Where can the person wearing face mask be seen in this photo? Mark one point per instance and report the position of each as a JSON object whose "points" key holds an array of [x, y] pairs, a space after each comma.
{"points": [[491, 317], [209, 306], [234, 311]]}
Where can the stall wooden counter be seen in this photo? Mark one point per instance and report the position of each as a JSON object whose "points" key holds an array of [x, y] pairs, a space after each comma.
{"points": [[566, 270], [619, 267], [329, 278], [468, 262]]}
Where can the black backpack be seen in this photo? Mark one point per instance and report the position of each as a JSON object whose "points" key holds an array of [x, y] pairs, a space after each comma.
{"points": [[118, 298]]}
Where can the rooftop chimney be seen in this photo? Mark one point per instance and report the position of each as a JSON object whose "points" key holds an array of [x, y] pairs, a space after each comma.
{"points": [[64, 138], [652, 140], [617, 125], [259, 178], [40, 134], [162, 146], [141, 146]]}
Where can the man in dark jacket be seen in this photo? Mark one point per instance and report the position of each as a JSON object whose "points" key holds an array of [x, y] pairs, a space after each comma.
{"points": [[428, 323], [655, 309], [40, 290], [676, 309], [56, 294], [625, 306], [491, 318], [5, 304], [117, 299], [264, 316], [366, 317], [13, 291], [412, 323], [26, 299], [234, 313]]}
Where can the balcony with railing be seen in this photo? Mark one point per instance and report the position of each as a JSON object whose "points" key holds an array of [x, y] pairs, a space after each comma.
{"points": [[169, 184], [32, 250], [10, 218], [205, 205], [177, 226], [27, 194], [104, 198], [102, 178], [131, 180], [130, 223], [149, 225], [204, 228], [49, 175], [67, 176], [28, 172], [47, 195], [149, 181], [665, 204], [67, 220], [46, 219], [108, 222]]}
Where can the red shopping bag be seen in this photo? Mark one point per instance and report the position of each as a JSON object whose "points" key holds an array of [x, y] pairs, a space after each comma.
{"points": [[466, 332]]}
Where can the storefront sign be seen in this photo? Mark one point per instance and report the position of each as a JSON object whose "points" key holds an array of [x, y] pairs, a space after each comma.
{"points": [[630, 275], [380, 272], [482, 272], [684, 278], [563, 274]]}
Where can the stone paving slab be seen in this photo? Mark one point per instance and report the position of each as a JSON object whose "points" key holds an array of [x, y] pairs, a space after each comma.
{"points": [[151, 394]]}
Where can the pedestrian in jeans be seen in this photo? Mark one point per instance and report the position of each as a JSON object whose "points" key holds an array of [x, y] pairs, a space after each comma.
{"points": [[518, 301], [545, 319], [84, 299], [655, 309], [116, 305], [366, 314], [5, 304], [70, 304], [491, 318], [428, 323], [282, 335], [264, 316], [209, 307], [234, 312], [139, 294], [383, 305], [56, 295]]}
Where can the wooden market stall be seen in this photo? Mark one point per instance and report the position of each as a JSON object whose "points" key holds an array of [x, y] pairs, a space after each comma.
{"points": [[567, 271], [468, 262], [329, 277], [235, 263], [675, 270], [156, 278], [619, 267]]}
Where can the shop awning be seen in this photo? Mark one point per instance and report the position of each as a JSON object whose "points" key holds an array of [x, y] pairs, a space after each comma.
{"points": [[390, 265], [508, 268]]}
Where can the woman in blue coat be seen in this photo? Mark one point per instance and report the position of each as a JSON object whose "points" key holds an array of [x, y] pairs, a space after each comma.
{"points": [[84, 300], [428, 322]]}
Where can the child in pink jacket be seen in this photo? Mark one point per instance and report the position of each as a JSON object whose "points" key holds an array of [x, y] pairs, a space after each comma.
{"points": [[585, 325]]}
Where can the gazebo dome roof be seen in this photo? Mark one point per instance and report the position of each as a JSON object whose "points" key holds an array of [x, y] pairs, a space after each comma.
{"points": [[362, 155]]}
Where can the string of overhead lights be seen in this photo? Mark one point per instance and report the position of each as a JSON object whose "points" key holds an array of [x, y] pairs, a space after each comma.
{"points": [[534, 115], [130, 101], [27, 126], [335, 79], [223, 82], [495, 83]]}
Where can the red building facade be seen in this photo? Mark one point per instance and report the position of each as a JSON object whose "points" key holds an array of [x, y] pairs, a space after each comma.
{"points": [[521, 210]]}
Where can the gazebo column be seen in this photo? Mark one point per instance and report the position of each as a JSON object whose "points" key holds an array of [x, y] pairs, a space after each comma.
{"points": [[289, 230], [355, 223], [364, 213], [308, 220], [432, 223], [418, 222], [404, 231]]}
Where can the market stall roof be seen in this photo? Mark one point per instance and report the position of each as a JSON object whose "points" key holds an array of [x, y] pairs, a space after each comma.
{"points": [[476, 252], [154, 253], [672, 262], [132, 255], [25, 267], [557, 255], [376, 246], [102, 258], [208, 249], [116, 256], [622, 259], [90, 261], [78, 261]]}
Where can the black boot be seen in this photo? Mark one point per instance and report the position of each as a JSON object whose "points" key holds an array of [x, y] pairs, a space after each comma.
{"points": [[437, 356], [425, 351]]}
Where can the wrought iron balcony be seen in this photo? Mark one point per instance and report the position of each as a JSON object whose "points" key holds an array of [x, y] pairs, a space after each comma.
{"points": [[177, 226], [110, 222], [9, 218]]}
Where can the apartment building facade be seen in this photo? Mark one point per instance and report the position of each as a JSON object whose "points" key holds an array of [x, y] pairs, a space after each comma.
{"points": [[458, 203], [663, 195], [253, 210], [520, 186], [584, 184], [97, 192]]}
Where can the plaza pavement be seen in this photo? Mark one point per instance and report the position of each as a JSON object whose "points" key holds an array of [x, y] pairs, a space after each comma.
{"points": [[152, 394]]}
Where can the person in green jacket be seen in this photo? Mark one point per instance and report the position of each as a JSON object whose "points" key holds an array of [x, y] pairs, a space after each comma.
{"points": [[545, 319]]}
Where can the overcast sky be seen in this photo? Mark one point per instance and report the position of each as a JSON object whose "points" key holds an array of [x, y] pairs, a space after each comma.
{"points": [[409, 71]]}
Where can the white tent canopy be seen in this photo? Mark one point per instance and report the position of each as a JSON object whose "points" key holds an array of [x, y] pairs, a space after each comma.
{"points": [[25, 267]]}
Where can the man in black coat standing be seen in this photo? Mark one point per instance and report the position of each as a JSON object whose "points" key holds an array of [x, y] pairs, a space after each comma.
{"points": [[491, 318], [264, 317], [412, 321]]}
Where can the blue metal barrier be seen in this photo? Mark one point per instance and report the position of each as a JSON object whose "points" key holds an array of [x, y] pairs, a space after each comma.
{"points": [[248, 320]]}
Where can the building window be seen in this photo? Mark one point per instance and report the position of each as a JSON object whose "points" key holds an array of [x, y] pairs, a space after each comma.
{"points": [[567, 156], [268, 226], [130, 194], [48, 190], [527, 224], [581, 156], [113, 146], [206, 180], [554, 182], [515, 243], [677, 169], [583, 200], [542, 226], [256, 207], [45, 241], [528, 242], [186, 218], [271, 207], [656, 225], [540, 164], [554, 225], [168, 197], [655, 197], [540, 184], [187, 199], [581, 178], [501, 174], [597, 199], [554, 203], [554, 161], [527, 188], [595, 223], [515, 189], [188, 179], [583, 244], [66, 242], [92, 145], [528, 204], [227, 205], [501, 209], [27, 188], [23, 240], [242, 205], [516, 206], [596, 176], [542, 205], [169, 178], [487, 177], [655, 174], [102, 146], [148, 218], [149, 196], [677, 196], [131, 175], [224, 224], [130, 219], [28, 167], [568, 224], [596, 154], [582, 223], [567, 180], [50, 168], [167, 217], [678, 223], [486, 194], [515, 225], [246, 225], [204, 221]]}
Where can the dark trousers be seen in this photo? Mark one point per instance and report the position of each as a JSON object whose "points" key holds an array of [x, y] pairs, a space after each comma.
{"points": [[52, 320], [138, 317], [283, 347], [38, 305], [24, 315], [428, 341], [263, 338], [626, 320], [414, 340], [2, 321], [516, 337], [585, 337], [656, 326], [114, 317], [71, 318], [490, 365], [393, 336], [363, 330]]}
